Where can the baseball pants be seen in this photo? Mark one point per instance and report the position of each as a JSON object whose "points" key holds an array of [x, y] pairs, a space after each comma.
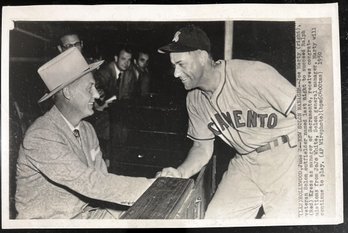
{"points": [[267, 179]]}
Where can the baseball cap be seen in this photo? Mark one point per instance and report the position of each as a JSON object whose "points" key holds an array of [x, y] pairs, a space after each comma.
{"points": [[187, 39]]}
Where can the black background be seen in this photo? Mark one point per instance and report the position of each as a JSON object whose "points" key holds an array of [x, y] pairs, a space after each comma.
{"points": [[343, 14]]}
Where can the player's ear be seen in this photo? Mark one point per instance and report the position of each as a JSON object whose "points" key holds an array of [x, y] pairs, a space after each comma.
{"points": [[203, 57]]}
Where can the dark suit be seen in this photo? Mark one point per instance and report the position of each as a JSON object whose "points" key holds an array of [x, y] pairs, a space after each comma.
{"points": [[142, 85], [112, 126], [107, 82]]}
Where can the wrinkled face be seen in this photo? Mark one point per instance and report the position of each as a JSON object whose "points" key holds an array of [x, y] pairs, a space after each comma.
{"points": [[69, 41], [143, 60], [188, 68], [123, 61], [83, 95]]}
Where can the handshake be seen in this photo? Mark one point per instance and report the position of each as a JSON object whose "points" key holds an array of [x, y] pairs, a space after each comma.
{"points": [[170, 172]]}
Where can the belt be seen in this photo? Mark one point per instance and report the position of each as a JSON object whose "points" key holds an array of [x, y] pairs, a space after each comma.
{"points": [[276, 142]]}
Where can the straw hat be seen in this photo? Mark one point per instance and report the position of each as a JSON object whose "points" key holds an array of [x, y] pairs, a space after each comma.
{"points": [[63, 70]]}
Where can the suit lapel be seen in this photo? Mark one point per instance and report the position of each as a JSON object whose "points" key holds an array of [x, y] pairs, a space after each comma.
{"points": [[113, 79], [85, 145], [73, 142], [113, 70]]}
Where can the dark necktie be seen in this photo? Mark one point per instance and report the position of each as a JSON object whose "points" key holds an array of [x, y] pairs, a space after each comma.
{"points": [[118, 81], [117, 87]]}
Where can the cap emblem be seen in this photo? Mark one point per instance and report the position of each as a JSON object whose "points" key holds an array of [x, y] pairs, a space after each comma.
{"points": [[176, 36]]}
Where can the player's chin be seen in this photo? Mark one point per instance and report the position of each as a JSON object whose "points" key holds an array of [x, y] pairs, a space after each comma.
{"points": [[187, 86]]}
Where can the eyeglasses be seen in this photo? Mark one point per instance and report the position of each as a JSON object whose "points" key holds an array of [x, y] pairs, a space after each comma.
{"points": [[143, 60], [76, 44]]}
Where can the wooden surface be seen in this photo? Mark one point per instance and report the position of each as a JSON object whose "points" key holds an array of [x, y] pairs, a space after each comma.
{"points": [[201, 194], [162, 200]]}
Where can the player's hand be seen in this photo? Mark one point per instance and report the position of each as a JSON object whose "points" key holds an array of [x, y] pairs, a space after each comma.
{"points": [[169, 172]]}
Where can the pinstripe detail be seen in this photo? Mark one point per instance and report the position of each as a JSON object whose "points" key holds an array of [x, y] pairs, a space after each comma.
{"points": [[200, 139], [290, 106]]}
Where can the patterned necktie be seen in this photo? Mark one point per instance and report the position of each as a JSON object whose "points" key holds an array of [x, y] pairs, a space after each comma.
{"points": [[76, 133]]}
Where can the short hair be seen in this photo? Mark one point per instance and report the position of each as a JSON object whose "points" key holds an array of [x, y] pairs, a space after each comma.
{"points": [[66, 33], [125, 48], [142, 51]]}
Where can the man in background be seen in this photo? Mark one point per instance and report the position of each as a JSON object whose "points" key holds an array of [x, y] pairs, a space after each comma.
{"points": [[116, 78], [70, 40], [141, 68]]}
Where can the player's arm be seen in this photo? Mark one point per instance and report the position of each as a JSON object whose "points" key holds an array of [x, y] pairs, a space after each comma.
{"points": [[198, 156]]}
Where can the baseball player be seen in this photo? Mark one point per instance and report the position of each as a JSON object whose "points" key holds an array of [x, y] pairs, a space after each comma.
{"points": [[251, 107]]}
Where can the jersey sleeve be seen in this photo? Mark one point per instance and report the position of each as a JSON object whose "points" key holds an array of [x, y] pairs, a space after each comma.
{"points": [[272, 87], [198, 120]]}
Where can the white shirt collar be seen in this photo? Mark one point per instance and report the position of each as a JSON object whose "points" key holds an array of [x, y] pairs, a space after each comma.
{"points": [[72, 128], [117, 70]]}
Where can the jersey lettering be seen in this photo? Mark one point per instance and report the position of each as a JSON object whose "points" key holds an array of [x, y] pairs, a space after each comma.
{"points": [[272, 121], [262, 119], [253, 119], [237, 117], [228, 118], [221, 122], [212, 128]]}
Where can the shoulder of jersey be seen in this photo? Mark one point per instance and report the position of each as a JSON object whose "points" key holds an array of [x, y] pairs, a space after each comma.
{"points": [[194, 96]]}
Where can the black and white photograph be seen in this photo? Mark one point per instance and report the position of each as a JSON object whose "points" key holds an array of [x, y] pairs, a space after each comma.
{"points": [[228, 119]]}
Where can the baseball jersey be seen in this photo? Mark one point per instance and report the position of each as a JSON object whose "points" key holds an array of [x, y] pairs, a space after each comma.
{"points": [[249, 108]]}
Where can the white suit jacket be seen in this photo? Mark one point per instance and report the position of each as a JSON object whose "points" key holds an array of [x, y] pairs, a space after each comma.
{"points": [[56, 176]]}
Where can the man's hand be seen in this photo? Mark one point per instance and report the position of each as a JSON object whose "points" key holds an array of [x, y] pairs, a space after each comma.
{"points": [[169, 172], [198, 156], [102, 107], [105, 105]]}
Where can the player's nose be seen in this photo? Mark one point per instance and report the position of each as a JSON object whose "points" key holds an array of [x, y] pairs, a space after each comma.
{"points": [[177, 72]]}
